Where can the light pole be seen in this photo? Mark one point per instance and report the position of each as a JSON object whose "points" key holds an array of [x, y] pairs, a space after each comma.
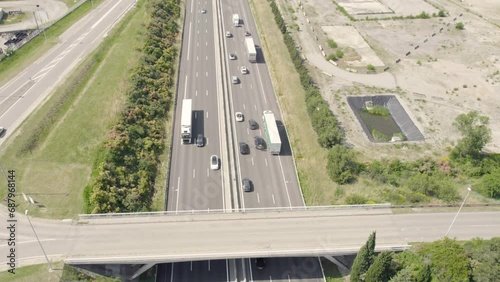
{"points": [[43, 250], [461, 206], [43, 29]]}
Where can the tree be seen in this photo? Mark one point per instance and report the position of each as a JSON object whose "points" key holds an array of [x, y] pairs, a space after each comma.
{"points": [[448, 260], [341, 164], [363, 259], [412, 267], [490, 184], [485, 255], [339, 53], [381, 269], [459, 26], [475, 135]]}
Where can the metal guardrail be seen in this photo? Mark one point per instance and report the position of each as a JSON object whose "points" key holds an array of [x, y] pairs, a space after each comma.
{"points": [[246, 210], [275, 209]]}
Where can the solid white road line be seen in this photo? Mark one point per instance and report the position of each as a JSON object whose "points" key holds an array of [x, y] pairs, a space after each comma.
{"points": [[178, 193], [191, 267], [185, 86], [274, 202], [189, 41], [107, 13], [208, 265], [284, 180], [172, 273], [250, 267], [258, 198], [194, 173]]}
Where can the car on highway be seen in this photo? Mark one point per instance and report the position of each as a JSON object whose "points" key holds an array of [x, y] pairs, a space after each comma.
{"points": [[229, 34], [247, 33], [203, 11], [239, 116], [232, 56], [235, 79], [244, 148], [2, 131], [199, 140], [260, 263], [244, 70], [214, 162], [260, 143], [247, 185], [252, 124]]}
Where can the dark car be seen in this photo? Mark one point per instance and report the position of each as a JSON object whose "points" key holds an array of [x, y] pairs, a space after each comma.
{"points": [[247, 185], [244, 148], [252, 124], [247, 33], [260, 143], [199, 140], [260, 263], [2, 130]]}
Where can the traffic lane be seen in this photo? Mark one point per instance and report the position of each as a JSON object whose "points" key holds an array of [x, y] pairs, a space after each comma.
{"points": [[53, 67], [209, 271], [304, 269]]}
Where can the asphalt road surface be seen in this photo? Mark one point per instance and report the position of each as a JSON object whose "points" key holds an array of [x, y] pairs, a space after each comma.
{"points": [[181, 238], [192, 185], [20, 96]]}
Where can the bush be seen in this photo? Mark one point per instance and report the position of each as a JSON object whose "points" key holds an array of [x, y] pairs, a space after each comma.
{"points": [[442, 14], [379, 110], [331, 57], [356, 199], [370, 67], [423, 15], [490, 184], [339, 53], [460, 26], [341, 164], [331, 43]]}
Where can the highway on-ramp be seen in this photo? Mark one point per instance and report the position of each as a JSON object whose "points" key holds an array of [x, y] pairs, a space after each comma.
{"points": [[21, 95]]}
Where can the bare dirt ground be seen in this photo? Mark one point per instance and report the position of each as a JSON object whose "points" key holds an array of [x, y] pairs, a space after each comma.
{"points": [[450, 73]]}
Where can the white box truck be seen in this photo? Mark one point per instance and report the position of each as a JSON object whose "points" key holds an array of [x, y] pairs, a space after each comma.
{"points": [[186, 120], [272, 133], [236, 19], [252, 53]]}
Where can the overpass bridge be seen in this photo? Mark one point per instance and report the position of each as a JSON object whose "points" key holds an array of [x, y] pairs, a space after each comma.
{"points": [[157, 238]]}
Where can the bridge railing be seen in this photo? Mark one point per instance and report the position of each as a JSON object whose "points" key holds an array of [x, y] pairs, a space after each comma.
{"points": [[246, 210]]}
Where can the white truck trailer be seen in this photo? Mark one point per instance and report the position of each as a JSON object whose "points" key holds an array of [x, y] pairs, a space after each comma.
{"points": [[272, 133], [252, 53], [236, 19], [186, 120]]}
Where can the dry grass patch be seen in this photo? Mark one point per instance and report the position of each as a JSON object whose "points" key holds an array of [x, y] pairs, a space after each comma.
{"points": [[310, 158]]}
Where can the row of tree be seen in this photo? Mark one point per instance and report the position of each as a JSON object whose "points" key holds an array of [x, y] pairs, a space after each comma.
{"points": [[323, 121], [443, 260], [124, 180]]}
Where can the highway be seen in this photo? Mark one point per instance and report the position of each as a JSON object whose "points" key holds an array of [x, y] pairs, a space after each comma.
{"points": [[185, 238], [21, 95], [192, 185]]}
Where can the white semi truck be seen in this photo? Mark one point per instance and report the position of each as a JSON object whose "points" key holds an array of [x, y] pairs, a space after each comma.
{"points": [[272, 133], [252, 52], [186, 120], [236, 19]]}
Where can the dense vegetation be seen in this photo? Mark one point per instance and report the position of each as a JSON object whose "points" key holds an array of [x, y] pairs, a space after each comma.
{"points": [[443, 260], [124, 180]]}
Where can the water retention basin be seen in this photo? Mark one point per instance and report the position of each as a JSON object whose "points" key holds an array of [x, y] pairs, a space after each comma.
{"points": [[396, 123]]}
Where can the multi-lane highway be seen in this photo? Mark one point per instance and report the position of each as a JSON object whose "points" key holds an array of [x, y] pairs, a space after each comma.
{"points": [[205, 77], [27, 90]]}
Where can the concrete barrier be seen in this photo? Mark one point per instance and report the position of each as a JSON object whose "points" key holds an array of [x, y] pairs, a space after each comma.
{"points": [[333, 62], [320, 48], [323, 52]]}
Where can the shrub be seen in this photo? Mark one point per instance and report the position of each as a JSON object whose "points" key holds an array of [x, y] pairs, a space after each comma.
{"points": [[370, 67], [441, 13], [341, 164], [339, 53], [331, 57], [331, 43], [356, 199], [460, 26]]}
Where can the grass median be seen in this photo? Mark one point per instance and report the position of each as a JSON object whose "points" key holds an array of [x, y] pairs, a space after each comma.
{"points": [[310, 158], [55, 173]]}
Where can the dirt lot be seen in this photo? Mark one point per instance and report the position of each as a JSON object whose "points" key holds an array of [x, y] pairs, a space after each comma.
{"points": [[450, 73]]}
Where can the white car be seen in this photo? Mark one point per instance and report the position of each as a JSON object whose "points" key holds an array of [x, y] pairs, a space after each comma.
{"points": [[214, 162], [228, 34], [232, 56], [239, 116], [235, 79], [203, 11], [244, 70]]}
